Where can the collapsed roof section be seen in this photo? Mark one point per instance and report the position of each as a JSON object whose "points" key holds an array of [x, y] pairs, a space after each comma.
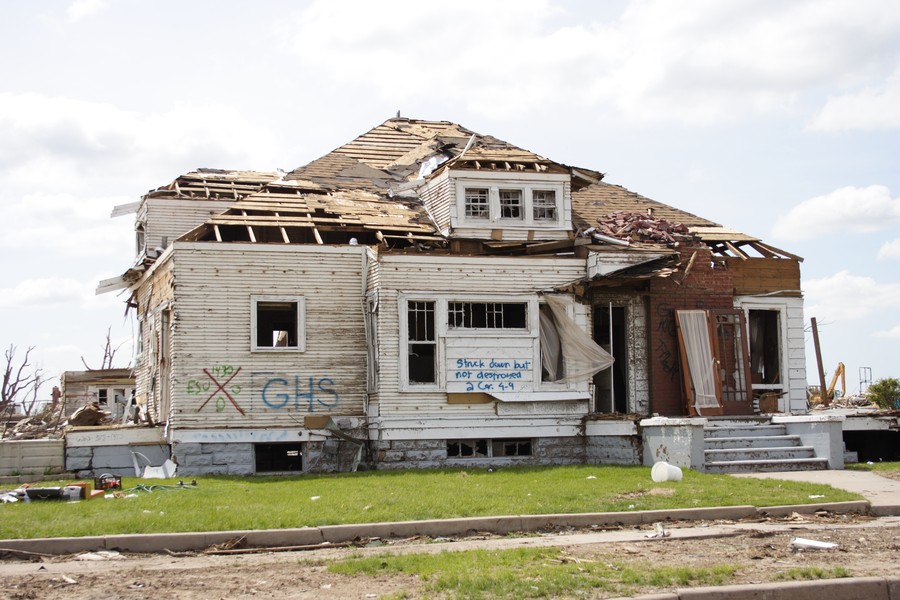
{"points": [[285, 213], [214, 184]]}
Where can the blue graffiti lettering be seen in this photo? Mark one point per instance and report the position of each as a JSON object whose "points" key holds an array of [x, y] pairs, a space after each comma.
{"points": [[282, 396]]}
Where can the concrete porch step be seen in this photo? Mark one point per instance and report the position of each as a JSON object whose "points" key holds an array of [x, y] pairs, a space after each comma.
{"points": [[744, 431], [771, 441], [764, 454], [757, 466]]}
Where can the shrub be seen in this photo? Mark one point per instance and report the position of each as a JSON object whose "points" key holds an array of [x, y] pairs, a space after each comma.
{"points": [[885, 393]]}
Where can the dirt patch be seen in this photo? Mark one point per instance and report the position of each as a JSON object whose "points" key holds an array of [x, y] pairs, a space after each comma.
{"points": [[761, 552]]}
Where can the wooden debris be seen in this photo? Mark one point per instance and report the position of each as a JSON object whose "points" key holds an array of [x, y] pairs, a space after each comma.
{"points": [[643, 228]]}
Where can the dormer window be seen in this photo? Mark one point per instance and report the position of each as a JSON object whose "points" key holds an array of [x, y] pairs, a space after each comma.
{"points": [[478, 203], [543, 205], [520, 201], [511, 204]]}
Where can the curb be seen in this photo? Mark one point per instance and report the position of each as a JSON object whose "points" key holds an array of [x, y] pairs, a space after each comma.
{"points": [[852, 588], [311, 536]]}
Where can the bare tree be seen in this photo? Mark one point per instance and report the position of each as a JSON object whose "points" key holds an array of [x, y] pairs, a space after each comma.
{"points": [[20, 380], [109, 353]]}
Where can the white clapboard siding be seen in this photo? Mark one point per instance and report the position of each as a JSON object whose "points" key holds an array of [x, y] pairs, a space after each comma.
{"points": [[437, 199], [460, 276], [155, 292], [170, 219], [214, 285]]}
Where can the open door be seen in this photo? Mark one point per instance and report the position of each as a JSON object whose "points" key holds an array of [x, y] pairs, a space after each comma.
{"points": [[715, 362]]}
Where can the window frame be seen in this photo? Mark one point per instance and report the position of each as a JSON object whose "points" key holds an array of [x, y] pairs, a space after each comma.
{"points": [[255, 300], [443, 333], [496, 206]]}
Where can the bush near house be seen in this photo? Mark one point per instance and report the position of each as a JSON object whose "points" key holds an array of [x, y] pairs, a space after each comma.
{"points": [[885, 393]]}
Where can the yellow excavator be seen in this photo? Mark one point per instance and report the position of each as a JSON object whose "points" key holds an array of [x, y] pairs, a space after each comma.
{"points": [[838, 372]]}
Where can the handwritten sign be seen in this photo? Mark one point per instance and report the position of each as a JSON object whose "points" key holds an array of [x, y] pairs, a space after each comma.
{"points": [[489, 374]]}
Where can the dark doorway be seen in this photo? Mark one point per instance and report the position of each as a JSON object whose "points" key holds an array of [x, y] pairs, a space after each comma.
{"points": [[611, 385]]}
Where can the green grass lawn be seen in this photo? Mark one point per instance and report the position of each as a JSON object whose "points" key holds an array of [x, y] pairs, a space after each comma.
{"points": [[878, 467], [228, 503], [527, 573]]}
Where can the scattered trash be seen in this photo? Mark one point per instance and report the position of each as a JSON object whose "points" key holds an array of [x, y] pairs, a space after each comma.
{"points": [[816, 496], [805, 544], [108, 482], [164, 471], [591, 477], [661, 532], [663, 471], [314, 498], [100, 555], [67, 580]]}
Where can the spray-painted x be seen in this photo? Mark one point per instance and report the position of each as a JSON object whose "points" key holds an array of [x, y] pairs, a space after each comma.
{"points": [[221, 386]]}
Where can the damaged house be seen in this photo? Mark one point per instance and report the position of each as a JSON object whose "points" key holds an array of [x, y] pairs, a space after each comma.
{"points": [[425, 295]]}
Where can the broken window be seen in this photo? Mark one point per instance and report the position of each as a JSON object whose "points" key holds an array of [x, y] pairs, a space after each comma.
{"points": [[103, 397], [543, 205], [483, 448], [567, 352], [487, 315], [421, 342], [140, 238], [278, 324], [278, 458], [511, 204], [765, 345], [478, 204]]}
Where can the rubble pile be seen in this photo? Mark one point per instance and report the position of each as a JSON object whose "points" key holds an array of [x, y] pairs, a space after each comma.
{"points": [[639, 227], [50, 423]]}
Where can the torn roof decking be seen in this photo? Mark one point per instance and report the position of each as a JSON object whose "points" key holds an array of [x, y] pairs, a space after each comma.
{"points": [[214, 184], [347, 211]]}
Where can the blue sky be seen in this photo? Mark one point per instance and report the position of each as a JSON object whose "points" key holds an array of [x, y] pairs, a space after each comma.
{"points": [[780, 119]]}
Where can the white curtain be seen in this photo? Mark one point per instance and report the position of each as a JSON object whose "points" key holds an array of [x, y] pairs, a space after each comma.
{"points": [[582, 356], [701, 362]]}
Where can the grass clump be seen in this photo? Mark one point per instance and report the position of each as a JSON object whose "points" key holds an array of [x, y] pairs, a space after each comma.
{"points": [[239, 503], [526, 573], [811, 573]]}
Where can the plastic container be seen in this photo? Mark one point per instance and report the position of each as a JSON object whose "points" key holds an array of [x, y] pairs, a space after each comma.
{"points": [[663, 471]]}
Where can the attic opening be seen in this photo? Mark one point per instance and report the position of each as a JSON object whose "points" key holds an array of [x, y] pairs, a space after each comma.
{"points": [[278, 458]]}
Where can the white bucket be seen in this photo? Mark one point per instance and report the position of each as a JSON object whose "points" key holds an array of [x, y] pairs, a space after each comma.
{"points": [[663, 471]]}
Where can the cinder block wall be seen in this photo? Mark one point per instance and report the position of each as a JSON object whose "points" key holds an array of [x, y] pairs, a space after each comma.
{"points": [[92, 461], [31, 457]]}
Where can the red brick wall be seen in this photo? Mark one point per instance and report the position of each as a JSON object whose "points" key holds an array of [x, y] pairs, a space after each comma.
{"points": [[706, 286]]}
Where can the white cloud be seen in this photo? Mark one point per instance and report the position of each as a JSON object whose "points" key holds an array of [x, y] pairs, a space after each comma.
{"points": [[46, 292], [82, 8], [873, 107], [700, 61], [62, 144], [848, 297], [891, 334], [848, 209], [890, 250]]}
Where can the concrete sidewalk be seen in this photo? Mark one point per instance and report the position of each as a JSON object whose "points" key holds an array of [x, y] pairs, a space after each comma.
{"points": [[882, 493]]}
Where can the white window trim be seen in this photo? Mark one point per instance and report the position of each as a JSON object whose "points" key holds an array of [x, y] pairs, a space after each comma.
{"points": [[440, 327], [783, 349], [494, 186], [301, 323]]}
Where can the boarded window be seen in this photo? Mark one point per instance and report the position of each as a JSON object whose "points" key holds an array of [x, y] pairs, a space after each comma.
{"points": [[421, 342], [487, 315]]}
